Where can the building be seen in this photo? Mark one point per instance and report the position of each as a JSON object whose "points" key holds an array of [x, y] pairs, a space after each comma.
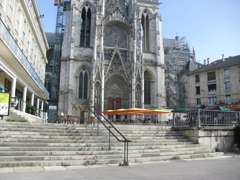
{"points": [[52, 78], [23, 59], [112, 56], [179, 59], [216, 83]]}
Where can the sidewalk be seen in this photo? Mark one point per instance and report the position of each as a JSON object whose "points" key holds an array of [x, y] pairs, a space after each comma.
{"points": [[221, 168]]}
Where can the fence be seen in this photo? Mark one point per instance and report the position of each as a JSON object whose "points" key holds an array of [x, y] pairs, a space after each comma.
{"points": [[203, 117]]}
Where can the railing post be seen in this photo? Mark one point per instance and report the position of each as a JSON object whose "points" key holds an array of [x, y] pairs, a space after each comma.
{"points": [[173, 125], [97, 126], [125, 154], [239, 118], [109, 147], [199, 118]]}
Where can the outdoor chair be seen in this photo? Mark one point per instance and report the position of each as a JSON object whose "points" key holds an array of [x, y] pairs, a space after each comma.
{"points": [[59, 119], [77, 119], [70, 119], [92, 120]]}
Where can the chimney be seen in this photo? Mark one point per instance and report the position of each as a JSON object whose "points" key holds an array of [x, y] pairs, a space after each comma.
{"points": [[208, 60], [204, 61], [223, 57]]}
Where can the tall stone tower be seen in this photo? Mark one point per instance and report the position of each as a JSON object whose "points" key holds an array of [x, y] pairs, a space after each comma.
{"points": [[112, 56]]}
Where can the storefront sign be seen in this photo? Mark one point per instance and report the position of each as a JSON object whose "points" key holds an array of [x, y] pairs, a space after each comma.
{"points": [[4, 104]]}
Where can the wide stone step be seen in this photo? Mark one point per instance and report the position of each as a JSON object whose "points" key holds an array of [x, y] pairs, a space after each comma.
{"points": [[109, 160], [85, 137], [49, 137], [171, 157], [61, 134], [25, 138], [93, 142], [80, 129], [66, 157], [59, 163], [58, 153], [50, 156], [132, 152], [81, 146], [98, 147]]}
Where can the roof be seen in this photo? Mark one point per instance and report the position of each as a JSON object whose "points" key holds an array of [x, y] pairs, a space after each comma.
{"points": [[230, 61], [50, 37], [192, 65]]}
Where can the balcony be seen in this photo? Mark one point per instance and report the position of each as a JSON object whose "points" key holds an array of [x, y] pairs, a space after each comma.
{"points": [[153, 1], [213, 91], [8, 39]]}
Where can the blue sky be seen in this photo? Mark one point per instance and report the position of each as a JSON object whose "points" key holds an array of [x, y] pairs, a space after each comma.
{"points": [[212, 27]]}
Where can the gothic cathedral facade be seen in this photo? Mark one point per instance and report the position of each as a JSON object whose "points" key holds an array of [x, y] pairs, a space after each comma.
{"points": [[112, 56]]}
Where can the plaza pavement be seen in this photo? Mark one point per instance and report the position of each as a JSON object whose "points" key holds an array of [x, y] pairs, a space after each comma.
{"points": [[226, 167]]}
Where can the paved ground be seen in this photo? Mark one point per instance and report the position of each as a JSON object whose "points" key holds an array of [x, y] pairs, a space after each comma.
{"points": [[226, 167]]}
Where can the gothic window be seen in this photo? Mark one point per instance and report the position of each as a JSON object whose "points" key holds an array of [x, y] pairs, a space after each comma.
{"points": [[147, 88], [138, 96], [115, 37], [97, 94], [85, 27], [145, 31], [83, 84]]}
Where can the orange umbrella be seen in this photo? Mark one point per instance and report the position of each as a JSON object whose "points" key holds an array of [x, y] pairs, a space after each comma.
{"points": [[135, 111], [109, 112], [121, 112], [158, 111]]}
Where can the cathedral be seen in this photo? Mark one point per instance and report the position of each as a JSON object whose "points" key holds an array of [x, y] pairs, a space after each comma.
{"points": [[112, 56]]}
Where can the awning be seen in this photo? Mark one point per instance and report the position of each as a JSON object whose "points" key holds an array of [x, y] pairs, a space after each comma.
{"points": [[135, 111]]}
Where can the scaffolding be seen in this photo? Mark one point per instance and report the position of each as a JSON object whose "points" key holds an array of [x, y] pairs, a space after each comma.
{"points": [[62, 7], [176, 55], [53, 68]]}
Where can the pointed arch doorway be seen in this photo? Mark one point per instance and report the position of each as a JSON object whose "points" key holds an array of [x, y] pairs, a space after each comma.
{"points": [[116, 94]]}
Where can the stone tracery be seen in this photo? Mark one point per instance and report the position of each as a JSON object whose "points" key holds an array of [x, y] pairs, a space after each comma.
{"points": [[115, 37]]}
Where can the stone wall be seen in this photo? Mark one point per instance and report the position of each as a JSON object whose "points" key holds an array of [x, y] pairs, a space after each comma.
{"points": [[215, 138]]}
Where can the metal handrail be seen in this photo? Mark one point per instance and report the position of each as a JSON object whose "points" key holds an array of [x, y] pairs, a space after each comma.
{"points": [[98, 115]]}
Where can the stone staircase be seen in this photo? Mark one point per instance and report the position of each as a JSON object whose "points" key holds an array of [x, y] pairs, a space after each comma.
{"points": [[46, 144], [19, 115]]}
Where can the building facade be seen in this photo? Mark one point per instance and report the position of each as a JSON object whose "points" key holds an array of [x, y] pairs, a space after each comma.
{"points": [[112, 56], [23, 59], [216, 83], [179, 59]]}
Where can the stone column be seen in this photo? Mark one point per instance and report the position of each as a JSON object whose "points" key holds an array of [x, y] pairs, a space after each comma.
{"points": [[32, 99], [13, 90], [2, 80], [142, 95], [103, 8], [13, 87], [102, 63], [38, 105], [24, 99], [133, 74], [70, 87], [41, 112]]}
